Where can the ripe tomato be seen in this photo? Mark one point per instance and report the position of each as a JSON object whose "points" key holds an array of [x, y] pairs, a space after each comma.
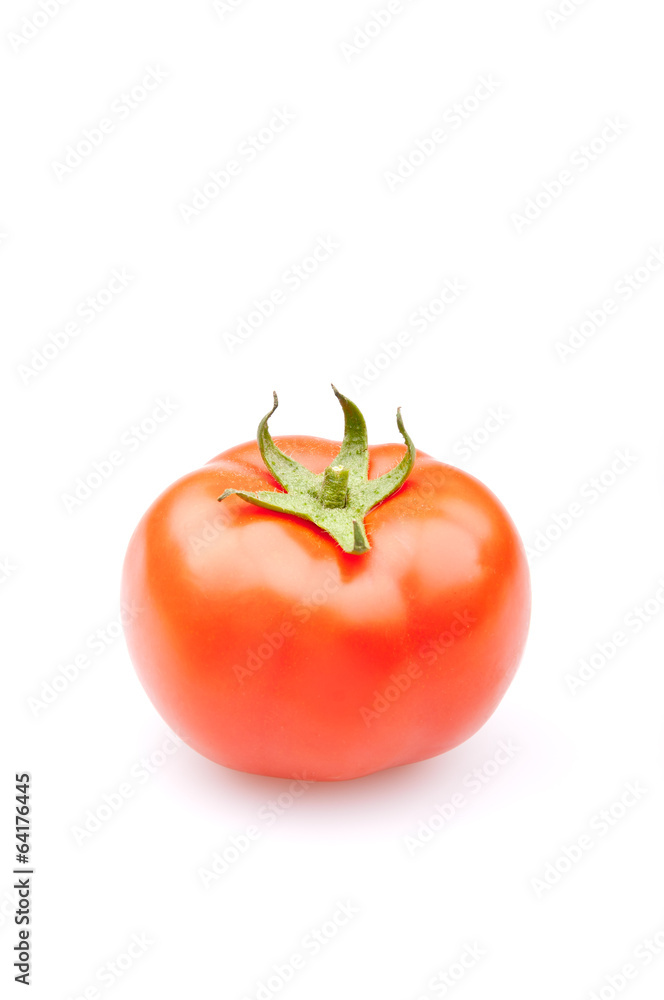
{"points": [[270, 648]]}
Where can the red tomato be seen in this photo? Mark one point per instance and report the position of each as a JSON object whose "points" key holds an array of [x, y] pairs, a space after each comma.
{"points": [[270, 649]]}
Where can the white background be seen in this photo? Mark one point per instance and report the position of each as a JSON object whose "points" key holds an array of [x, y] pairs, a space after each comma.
{"points": [[479, 882]]}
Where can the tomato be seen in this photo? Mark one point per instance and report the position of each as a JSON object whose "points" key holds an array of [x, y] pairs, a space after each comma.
{"points": [[273, 647]]}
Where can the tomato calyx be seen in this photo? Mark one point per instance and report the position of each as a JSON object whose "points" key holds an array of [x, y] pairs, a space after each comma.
{"points": [[338, 499]]}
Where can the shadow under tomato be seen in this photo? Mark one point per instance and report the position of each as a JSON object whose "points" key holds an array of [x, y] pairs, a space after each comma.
{"points": [[384, 804]]}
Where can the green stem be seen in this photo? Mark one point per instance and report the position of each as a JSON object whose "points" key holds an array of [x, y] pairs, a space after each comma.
{"points": [[335, 486]]}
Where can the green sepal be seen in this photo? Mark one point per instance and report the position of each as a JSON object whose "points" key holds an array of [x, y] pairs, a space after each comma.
{"points": [[315, 497]]}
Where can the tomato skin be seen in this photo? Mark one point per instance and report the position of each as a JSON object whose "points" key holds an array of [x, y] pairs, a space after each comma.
{"points": [[269, 649]]}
